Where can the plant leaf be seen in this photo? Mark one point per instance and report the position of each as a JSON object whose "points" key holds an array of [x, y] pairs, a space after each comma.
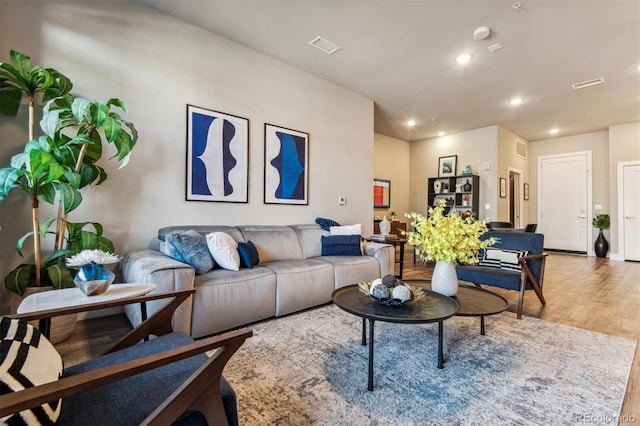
{"points": [[60, 276], [20, 278], [79, 108], [9, 177], [69, 196], [49, 123]]}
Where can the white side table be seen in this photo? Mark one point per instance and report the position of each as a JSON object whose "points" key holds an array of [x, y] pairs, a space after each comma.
{"points": [[72, 297]]}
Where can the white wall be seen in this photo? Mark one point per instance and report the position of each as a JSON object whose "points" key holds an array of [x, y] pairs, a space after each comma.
{"points": [[475, 147], [624, 145], [157, 65], [390, 160]]}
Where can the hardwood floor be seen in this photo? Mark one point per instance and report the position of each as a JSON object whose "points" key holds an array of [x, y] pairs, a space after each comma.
{"points": [[585, 292]]}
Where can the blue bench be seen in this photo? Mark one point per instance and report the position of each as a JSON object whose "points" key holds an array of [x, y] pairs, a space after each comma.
{"points": [[501, 265]]}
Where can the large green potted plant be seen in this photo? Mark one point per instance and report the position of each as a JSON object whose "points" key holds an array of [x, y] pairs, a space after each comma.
{"points": [[601, 221], [55, 166]]}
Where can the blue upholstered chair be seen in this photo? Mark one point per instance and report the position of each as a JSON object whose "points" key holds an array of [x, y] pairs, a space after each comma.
{"points": [[507, 265], [167, 379]]}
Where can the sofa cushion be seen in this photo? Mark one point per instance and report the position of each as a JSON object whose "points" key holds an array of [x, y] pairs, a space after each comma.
{"points": [[502, 258], [248, 254], [224, 250], [28, 359], [191, 248], [341, 245], [326, 223], [274, 242]]}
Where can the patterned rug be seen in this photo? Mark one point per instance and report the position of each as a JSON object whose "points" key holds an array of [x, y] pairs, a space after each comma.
{"points": [[310, 368]]}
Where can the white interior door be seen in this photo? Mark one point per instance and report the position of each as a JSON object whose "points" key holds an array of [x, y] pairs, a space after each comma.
{"points": [[564, 194], [631, 211]]}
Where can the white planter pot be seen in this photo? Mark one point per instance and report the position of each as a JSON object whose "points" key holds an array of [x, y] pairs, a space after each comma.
{"points": [[445, 279]]}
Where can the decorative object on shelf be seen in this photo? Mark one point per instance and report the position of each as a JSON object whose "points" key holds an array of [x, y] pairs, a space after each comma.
{"points": [[465, 199], [381, 193], [467, 170], [437, 186], [526, 192], [94, 277], [391, 291], [601, 245], [286, 166], [467, 186], [442, 238], [458, 187], [445, 187], [444, 279], [503, 188], [385, 226], [447, 166], [394, 217], [223, 178]]}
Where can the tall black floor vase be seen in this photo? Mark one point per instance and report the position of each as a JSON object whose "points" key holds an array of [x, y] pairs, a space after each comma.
{"points": [[601, 245]]}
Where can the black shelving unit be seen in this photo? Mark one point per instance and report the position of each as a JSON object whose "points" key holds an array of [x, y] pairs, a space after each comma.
{"points": [[460, 192]]}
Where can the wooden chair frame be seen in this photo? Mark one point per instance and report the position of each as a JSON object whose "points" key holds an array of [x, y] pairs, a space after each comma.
{"points": [[526, 275], [201, 392]]}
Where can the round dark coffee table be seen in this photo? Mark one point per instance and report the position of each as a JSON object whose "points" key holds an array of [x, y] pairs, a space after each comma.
{"points": [[433, 307], [472, 301]]}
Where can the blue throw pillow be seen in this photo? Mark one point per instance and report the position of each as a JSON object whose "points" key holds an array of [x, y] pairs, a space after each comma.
{"points": [[190, 247], [326, 223], [248, 254], [341, 245]]}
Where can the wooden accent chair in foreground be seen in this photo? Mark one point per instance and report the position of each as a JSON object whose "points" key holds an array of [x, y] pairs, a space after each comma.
{"points": [[166, 379], [515, 262]]}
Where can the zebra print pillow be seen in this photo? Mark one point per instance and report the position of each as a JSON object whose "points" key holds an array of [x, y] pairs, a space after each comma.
{"points": [[27, 359]]}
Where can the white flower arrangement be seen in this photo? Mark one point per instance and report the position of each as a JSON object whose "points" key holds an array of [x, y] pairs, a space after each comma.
{"points": [[96, 257]]}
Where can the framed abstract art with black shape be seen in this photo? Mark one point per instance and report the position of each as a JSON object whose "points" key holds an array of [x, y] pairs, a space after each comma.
{"points": [[286, 166], [217, 156]]}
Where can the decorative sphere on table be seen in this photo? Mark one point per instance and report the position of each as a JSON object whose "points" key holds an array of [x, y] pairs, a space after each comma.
{"points": [[379, 291], [390, 281], [401, 293]]}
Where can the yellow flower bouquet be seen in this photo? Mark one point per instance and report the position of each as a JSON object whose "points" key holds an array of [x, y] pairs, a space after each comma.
{"points": [[444, 238]]}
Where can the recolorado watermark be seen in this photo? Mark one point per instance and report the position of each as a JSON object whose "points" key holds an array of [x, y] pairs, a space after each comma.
{"points": [[604, 418]]}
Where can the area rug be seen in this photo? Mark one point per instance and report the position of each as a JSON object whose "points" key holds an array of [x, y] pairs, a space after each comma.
{"points": [[310, 368]]}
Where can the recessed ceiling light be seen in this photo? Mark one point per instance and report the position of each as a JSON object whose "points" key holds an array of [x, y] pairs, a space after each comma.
{"points": [[463, 59], [411, 123], [554, 131], [441, 133], [515, 101]]}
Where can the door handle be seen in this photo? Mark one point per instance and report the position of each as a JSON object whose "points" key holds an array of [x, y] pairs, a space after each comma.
{"points": [[582, 217]]}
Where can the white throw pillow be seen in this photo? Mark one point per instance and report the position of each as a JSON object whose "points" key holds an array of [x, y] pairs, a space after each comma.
{"points": [[346, 230], [224, 250]]}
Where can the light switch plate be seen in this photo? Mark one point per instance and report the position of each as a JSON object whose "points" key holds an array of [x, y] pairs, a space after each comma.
{"points": [[342, 201]]}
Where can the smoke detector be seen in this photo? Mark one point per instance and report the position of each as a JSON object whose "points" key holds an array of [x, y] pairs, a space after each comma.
{"points": [[481, 33]]}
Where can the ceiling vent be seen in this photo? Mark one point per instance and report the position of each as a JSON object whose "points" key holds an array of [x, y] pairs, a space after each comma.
{"points": [[325, 45], [494, 47], [587, 83], [521, 149]]}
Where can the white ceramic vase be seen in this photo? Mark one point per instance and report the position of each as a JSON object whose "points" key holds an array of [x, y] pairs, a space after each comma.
{"points": [[445, 279], [385, 226]]}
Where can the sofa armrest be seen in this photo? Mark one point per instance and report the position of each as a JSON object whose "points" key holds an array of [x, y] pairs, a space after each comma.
{"points": [[151, 266], [384, 253]]}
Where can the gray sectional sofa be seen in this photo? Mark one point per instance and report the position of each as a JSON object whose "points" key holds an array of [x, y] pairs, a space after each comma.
{"points": [[292, 275]]}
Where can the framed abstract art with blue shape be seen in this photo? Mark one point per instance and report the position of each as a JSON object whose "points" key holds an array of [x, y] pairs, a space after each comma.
{"points": [[217, 156], [286, 166]]}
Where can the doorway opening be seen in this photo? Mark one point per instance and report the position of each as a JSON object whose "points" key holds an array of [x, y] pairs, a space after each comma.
{"points": [[514, 200]]}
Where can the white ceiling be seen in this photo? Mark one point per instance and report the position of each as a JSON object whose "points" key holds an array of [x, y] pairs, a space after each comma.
{"points": [[401, 54]]}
